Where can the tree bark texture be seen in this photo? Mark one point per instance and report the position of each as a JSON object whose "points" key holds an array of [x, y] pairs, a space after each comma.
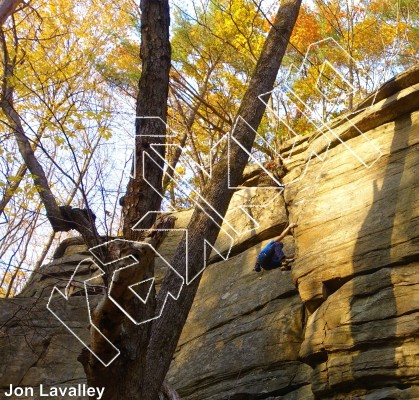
{"points": [[151, 103], [7, 8], [124, 378], [167, 329], [146, 350]]}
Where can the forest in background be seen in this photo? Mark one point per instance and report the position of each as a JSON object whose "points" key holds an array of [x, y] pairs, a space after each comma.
{"points": [[74, 69]]}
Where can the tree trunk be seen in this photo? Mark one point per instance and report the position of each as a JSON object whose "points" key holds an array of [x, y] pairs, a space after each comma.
{"points": [[146, 350], [141, 196], [167, 329], [7, 8], [124, 378]]}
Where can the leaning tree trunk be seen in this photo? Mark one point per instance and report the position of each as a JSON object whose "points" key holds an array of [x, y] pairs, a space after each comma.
{"points": [[147, 350], [167, 329]]}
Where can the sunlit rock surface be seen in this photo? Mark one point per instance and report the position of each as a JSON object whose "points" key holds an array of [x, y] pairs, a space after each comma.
{"points": [[342, 323]]}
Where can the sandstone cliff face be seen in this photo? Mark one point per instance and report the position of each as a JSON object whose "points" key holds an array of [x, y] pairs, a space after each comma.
{"points": [[342, 323]]}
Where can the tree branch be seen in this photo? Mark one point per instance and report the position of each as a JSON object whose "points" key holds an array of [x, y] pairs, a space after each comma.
{"points": [[62, 218]]}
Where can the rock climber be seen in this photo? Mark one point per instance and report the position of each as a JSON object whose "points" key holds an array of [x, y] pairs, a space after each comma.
{"points": [[272, 256]]}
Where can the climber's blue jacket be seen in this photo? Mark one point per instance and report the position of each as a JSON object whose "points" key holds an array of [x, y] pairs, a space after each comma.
{"points": [[271, 256]]}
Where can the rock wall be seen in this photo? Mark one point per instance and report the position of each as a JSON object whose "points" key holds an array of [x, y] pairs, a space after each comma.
{"points": [[342, 323]]}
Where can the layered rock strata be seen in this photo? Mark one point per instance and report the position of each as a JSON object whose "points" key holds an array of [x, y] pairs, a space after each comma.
{"points": [[341, 324]]}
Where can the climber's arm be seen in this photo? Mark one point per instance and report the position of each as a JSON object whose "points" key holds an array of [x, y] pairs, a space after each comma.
{"points": [[285, 232]]}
